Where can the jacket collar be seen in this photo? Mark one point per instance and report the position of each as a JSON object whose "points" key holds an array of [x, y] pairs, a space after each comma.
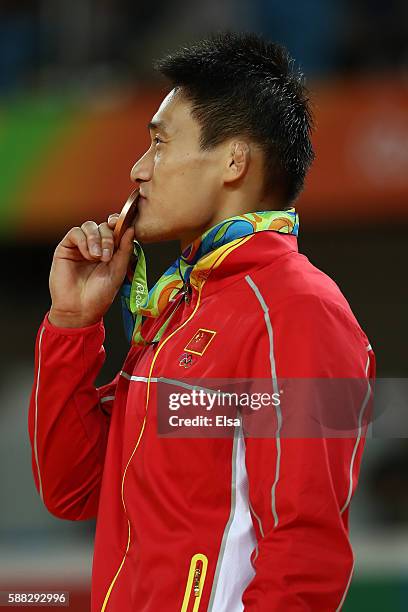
{"points": [[223, 267]]}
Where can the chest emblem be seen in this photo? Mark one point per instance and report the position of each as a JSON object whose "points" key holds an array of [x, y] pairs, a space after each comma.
{"points": [[186, 360], [200, 341]]}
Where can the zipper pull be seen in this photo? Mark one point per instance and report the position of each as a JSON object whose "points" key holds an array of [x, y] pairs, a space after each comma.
{"points": [[187, 292], [196, 587]]}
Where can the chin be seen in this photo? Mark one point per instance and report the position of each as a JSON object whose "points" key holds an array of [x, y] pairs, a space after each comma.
{"points": [[147, 233]]}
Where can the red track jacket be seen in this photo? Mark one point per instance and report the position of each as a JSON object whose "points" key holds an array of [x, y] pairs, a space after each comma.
{"points": [[222, 524]]}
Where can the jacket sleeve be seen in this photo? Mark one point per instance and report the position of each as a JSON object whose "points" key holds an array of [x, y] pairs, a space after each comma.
{"points": [[68, 419], [300, 487]]}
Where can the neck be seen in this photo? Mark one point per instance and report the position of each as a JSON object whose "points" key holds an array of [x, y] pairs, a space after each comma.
{"points": [[233, 204]]}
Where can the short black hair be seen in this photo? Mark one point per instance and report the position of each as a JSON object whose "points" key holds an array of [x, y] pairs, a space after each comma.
{"points": [[241, 84]]}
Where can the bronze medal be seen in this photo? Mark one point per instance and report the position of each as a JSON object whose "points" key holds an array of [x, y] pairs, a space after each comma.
{"points": [[126, 217]]}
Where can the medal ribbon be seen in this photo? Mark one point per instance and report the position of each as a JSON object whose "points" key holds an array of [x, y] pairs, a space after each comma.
{"points": [[138, 302]]}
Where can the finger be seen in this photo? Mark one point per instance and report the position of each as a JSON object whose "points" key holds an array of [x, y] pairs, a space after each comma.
{"points": [[107, 243], [76, 238], [93, 237], [121, 257], [113, 219], [126, 243]]}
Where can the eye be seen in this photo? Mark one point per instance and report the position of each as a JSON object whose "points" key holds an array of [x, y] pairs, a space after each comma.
{"points": [[157, 140]]}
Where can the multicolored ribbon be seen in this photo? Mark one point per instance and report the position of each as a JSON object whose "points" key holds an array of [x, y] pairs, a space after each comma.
{"points": [[138, 302]]}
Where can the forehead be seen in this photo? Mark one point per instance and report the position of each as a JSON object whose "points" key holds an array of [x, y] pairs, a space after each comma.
{"points": [[174, 113]]}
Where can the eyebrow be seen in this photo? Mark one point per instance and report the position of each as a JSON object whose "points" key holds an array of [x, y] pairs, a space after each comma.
{"points": [[156, 125]]}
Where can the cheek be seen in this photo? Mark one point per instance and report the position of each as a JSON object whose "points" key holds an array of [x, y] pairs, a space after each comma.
{"points": [[168, 167], [182, 180], [177, 160], [195, 171]]}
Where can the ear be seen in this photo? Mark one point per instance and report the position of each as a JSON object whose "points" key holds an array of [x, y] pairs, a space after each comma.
{"points": [[238, 160]]}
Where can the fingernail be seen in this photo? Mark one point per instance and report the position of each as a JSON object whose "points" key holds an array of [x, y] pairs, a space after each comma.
{"points": [[106, 253], [95, 250]]}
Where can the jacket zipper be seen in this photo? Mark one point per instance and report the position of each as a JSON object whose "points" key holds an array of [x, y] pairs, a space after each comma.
{"points": [[183, 296], [195, 583]]}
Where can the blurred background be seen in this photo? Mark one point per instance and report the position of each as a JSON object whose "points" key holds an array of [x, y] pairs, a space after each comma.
{"points": [[76, 92]]}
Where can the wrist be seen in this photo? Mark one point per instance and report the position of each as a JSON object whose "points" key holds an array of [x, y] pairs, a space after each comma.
{"points": [[70, 320]]}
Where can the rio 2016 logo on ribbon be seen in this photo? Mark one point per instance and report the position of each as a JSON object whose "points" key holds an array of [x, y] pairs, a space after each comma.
{"points": [[140, 293]]}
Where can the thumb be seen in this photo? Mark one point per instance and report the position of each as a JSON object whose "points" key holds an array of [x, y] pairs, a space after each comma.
{"points": [[121, 257]]}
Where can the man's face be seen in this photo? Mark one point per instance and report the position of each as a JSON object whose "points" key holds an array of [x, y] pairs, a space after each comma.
{"points": [[180, 184]]}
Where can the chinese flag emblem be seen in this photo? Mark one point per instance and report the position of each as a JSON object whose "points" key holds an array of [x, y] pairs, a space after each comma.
{"points": [[200, 341]]}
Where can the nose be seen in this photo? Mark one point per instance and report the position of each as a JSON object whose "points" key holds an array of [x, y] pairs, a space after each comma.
{"points": [[143, 168]]}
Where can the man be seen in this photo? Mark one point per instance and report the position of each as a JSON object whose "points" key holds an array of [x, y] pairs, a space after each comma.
{"points": [[221, 523]]}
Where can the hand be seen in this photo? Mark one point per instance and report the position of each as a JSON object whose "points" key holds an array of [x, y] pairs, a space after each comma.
{"points": [[87, 273]]}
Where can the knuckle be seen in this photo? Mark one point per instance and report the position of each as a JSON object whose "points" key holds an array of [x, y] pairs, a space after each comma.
{"points": [[80, 237], [76, 234], [89, 226], [107, 241]]}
